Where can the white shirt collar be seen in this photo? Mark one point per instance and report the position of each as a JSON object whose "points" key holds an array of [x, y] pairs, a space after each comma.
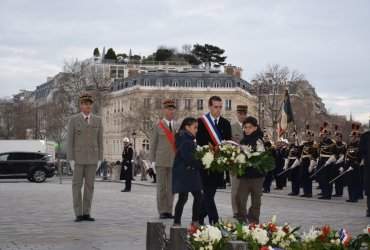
{"points": [[241, 124], [217, 118], [168, 122]]}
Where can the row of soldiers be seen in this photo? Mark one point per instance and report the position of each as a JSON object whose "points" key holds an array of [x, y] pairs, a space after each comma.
{"points": [[329, 161]]}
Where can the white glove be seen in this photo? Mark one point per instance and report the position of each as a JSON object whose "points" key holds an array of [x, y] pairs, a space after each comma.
{"points": [[286, 164], [296, 163], [153, 166], [350, 168], [72, 164], [98, 164], [340, 160], [362, 162], [331, 159], [341, 170], [313, 164], [125, 168]]}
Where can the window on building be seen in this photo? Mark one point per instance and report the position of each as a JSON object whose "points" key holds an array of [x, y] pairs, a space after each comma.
{"points": [[175, 82], [187, 83], [146, 82], [158, 103], [200, 104], [228, 84], [159, 82], [216, 83], [187, 104], [228, 104], [200, 83], [145, 144], [147, 103]]}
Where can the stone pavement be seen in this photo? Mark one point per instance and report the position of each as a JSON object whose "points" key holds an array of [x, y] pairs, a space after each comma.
{"points": [[40, 216]]}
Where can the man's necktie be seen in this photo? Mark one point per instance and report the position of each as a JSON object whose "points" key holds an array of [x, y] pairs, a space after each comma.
{"points": [[216, 122], [170, 126], [87, 119]]}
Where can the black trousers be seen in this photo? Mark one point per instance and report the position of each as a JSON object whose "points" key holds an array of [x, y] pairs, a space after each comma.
{"points": [[183, 198], [128, 185], [209, 206]]}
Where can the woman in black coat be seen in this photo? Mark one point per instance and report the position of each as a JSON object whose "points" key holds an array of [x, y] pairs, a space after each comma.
{"points": [[126, 170], [185, 173]]}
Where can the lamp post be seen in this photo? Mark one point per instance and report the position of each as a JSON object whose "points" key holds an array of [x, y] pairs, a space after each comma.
{"points": [[133, 134]]}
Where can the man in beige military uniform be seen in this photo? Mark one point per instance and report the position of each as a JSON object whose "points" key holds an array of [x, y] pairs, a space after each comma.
{"points": [[237, 134], [162, 154], [85, 153]]}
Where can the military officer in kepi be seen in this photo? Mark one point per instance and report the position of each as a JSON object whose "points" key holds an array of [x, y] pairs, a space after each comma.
{"points": [[237, 135], [126, 170], [351, 164], [85, 153], [309, 155], [292, 162], [340, 151], [325, 167]]}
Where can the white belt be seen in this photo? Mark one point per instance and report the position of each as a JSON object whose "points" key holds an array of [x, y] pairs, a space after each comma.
{"points": [[306, 156], [290, 158], [323, 155]]}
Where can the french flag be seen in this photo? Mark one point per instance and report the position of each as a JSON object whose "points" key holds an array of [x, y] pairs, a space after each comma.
{"points": [[286, 114], [344, 237]]}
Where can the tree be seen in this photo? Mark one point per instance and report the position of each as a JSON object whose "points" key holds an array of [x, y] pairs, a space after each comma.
{"points": [[269, 86], [96, 52], [209, 53], [164, 54], [135, 58], [111, 54]]}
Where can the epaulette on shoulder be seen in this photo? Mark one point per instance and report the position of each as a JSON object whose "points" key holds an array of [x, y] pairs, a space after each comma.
{"points": [[302, 143], [315, 145]]}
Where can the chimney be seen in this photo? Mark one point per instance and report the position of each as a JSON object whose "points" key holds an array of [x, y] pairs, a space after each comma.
{"points": [[206, 70]]}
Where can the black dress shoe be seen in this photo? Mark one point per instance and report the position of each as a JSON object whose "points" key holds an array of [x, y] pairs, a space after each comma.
{"points": [[293, 194], [125, 190], [337, 195], [169, 216], [306, 195], [319, 194], [162, 216], [278, 188], [265, 191], [79, 218], [87, 217], [324, 198], [352, 201]]}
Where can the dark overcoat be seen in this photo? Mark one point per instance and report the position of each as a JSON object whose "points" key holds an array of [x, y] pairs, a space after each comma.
{"points": [[186, 169], [212, 180], [126, 170], [365, 154]]}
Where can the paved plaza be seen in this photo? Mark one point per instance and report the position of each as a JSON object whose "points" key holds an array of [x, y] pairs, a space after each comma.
{"points": [[40, 216]]}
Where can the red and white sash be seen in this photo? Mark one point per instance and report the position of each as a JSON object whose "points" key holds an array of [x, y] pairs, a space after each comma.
{"points": [[169, 135], [212, 129]]}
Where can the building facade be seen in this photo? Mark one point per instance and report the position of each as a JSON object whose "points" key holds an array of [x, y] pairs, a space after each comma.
{"points": [[135, 103]]}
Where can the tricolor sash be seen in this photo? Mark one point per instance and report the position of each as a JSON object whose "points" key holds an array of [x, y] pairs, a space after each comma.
{"points": [[212, 129], [169, 135]]}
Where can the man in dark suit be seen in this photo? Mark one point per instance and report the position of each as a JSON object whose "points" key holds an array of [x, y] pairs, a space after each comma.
{"points": [[85, 153], [364, 146], [212, 128]]}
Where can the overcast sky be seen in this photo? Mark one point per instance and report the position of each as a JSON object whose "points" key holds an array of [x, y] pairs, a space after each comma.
{"points": [[328, 41]]}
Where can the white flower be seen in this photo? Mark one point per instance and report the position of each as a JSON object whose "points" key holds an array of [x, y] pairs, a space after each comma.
{"points": [[214, 233], [207, 159], [247, 150], [260, 235], [273, 220], [241, 158]]}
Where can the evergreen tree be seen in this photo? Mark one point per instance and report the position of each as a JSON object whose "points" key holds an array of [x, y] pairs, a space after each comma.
{"points": [[96, 52], [111, 54], [209, 53]]}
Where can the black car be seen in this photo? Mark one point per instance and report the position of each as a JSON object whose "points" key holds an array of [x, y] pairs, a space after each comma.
{"points": [[36, 167]]}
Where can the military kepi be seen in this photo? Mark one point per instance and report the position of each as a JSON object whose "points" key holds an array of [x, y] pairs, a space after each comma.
{"points": [[86, 98], [242, 108], [168, 104]]}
